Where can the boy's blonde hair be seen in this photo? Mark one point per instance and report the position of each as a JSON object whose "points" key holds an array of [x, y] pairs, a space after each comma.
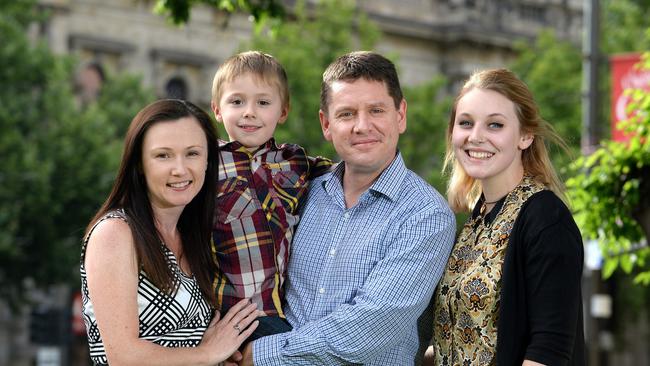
{"points": [[463, 191], [263, 66]]}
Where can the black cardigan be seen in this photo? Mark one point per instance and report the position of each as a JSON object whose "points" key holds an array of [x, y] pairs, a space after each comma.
{"points": [[540, 316]]}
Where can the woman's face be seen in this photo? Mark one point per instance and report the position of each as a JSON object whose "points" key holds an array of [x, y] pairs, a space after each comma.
{"points": [[486, 138], [174, 160]]}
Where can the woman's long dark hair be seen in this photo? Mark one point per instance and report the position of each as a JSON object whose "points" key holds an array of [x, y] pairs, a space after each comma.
{"points": [[130, 193]]}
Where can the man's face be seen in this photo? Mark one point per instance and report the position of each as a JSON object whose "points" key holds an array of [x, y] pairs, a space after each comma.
{"points": [[363, 124]]}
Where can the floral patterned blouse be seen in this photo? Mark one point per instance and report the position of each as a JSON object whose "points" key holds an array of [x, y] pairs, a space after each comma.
{"points": [[467, 298]]}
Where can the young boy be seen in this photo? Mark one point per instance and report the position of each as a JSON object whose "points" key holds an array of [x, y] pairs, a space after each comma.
{"points": [[260, 186]]}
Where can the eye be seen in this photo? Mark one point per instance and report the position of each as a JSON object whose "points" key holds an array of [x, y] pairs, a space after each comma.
{"points": [[264, 102], [193, 153], [376, 111], [495, 125], [463, 123], [236, 101], [162, 155], [345, 115]]}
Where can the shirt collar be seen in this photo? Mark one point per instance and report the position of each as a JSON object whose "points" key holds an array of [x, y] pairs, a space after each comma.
{"points": [[389, 182], [490, 216], [237, 146]]}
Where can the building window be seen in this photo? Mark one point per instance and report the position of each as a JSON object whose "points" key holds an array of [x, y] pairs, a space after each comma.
{"points": [[112, 54], [533, 12], [176, 88]]}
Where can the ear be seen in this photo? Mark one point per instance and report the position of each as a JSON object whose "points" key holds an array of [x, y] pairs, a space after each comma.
{"points": [[284, 115], [525, 141], [325, 125], [214, 106], [401, 112]]}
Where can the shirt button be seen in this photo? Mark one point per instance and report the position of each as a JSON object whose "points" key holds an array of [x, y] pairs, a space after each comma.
{"points": [[321, 290], [332, 252], [346, 215]]}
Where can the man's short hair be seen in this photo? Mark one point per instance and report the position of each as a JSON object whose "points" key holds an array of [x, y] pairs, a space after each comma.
{"points": [[361, 64], [263, 66]]}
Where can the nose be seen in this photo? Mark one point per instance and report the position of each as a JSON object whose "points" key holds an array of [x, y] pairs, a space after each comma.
{"points": [[178, 169], [476, 136], [249, 111], [362, 124]]}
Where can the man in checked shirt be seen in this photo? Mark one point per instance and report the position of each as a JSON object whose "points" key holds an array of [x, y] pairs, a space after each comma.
{"points": [[373, 238], [260, 187]]}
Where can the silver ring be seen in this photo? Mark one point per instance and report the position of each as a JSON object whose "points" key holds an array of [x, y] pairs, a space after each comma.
{"points": [[236, 326]]}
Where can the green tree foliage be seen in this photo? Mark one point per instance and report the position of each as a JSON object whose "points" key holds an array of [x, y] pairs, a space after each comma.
{"points": [[552, 68], [424, 142], [610, 190], [611, 193], [121, 97], [623, 25], [58, 159], [262, 11], [26, 72]]}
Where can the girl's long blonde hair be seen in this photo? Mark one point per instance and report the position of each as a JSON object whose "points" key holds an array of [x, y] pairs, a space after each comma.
{"points": [[464, 191]]}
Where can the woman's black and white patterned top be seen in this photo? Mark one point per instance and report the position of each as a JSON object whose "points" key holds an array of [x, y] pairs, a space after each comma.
{"points": [[176, 320]]}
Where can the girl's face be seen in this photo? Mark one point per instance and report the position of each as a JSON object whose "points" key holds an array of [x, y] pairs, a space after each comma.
{"points": [[487, 139]]}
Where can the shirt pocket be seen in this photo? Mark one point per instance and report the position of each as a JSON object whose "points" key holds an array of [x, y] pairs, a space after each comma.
{"points": [[290, 187], [288, 179], [234, 200]]}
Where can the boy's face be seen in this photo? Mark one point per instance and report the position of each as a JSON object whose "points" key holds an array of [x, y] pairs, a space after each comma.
{"points": [[249, 109]]}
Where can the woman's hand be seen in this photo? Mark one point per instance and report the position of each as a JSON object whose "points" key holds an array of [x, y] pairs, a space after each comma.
{"points": [[224, 336]]}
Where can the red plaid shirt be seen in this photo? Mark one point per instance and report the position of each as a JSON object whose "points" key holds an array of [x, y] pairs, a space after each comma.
{"points": [[258, 195]]}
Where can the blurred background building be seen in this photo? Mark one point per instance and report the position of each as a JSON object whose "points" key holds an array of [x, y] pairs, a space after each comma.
{"points": [[448, 37]]}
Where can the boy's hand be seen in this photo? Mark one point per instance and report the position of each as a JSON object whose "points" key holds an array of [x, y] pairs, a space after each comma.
{"points": [[247, 355], [233, 359]]}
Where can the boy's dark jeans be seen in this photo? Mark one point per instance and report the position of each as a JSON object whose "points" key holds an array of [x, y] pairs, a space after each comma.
{"points": [[269, 325]]}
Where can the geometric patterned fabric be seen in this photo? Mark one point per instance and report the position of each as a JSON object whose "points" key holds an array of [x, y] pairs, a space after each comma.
{"points": [[176, 320]]}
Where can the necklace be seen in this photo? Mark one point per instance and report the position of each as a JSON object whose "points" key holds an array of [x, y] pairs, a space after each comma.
{"points": [[493, 202]]}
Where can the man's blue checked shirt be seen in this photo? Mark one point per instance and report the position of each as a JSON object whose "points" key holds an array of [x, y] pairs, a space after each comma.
{"points": [[359, 278]]}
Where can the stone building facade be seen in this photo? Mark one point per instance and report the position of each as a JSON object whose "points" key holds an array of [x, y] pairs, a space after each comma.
{"points": [[450, 37]]}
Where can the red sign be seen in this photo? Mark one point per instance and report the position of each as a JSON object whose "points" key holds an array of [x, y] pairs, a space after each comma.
{"points": [[78, 326], [625, 75]]}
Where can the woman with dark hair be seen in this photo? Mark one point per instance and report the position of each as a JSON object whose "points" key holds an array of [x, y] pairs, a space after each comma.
{"points": [[510, 294], [145, 260]]}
